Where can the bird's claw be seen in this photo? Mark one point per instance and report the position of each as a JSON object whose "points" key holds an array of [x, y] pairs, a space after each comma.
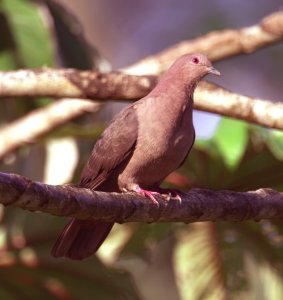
{"points": [[176, 196], [170, 193]]}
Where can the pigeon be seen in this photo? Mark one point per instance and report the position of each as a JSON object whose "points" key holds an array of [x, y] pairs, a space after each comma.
{"points": [[142, 145]]}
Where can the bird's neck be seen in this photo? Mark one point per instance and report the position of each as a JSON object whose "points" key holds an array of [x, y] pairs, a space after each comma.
{"points": [[175, 89]]}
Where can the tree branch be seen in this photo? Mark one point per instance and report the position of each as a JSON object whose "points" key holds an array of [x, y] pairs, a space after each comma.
{"points": [[70, 83], [196, 205], [217, 45], [213, 98], [41, 121]]}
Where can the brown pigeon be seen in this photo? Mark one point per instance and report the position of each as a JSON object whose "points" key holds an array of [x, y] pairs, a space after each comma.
{"points": [[144, 143]]}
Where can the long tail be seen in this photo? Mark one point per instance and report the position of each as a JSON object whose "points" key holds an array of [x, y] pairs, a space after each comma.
{"points": [[81, 239]]}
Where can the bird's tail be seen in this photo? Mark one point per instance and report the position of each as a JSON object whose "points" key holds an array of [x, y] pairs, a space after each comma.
{"points": [[81, 238]]}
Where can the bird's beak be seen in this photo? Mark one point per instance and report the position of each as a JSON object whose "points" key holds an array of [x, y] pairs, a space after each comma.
{"points": [[212, 70]]}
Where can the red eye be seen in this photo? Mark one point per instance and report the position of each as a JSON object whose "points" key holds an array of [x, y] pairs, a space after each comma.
{"points": [[195, 60]]}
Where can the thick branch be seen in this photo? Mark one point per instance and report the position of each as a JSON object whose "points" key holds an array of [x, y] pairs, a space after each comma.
{"points": [[196, 205], [69, 83]]}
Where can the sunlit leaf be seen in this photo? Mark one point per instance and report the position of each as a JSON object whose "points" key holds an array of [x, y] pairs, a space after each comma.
{"points": [[265, 282], [197, 264], [231, 138]]}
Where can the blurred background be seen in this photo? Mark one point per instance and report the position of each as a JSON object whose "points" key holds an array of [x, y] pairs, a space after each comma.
{"points": [[142, 261]]}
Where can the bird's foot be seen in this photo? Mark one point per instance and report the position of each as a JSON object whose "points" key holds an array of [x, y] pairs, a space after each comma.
{"points": [[147, 193], [167, 194], [170, 193]]}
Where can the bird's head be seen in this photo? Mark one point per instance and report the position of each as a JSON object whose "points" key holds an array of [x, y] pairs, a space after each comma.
{"points": [[185, 73], [195, 65]]}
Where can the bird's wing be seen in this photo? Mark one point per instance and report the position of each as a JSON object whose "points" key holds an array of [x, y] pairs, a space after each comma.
{"points": [[194, 137], [115, 144]]}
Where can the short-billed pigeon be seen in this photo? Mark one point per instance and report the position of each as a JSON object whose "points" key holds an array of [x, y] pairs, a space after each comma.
{"points": [[144, 143]]}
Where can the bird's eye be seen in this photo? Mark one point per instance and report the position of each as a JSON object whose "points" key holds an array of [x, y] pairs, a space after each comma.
{"points": [[195, 60]]}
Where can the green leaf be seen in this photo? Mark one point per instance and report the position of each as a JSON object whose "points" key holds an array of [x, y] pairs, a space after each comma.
{"points": [[231, 138], [31, 36], [274, 142], [6, 61], [7, 43]]}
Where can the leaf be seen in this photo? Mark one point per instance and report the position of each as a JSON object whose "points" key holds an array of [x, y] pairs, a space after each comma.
{"points": [[197, 264], [31, 36], [258, 167], [7, 44], [265, 282], [231, 138], [6, 61], [275, 143]]}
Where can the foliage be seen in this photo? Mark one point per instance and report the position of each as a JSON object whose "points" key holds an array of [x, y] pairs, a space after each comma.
{"points": [[138, 261]]}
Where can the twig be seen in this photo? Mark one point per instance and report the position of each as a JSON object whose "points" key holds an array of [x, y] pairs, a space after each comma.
{"points": [[40, 121], [196, 205], [217, 45]]}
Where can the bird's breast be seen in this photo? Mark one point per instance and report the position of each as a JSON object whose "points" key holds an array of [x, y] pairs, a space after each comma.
{"points": [[162, 145]]}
